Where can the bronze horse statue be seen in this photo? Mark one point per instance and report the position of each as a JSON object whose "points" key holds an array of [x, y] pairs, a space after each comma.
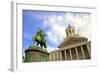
{"points": [[39, 38]]}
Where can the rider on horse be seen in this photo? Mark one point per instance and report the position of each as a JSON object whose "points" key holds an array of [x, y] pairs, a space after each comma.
{"points": [[39, 38]]}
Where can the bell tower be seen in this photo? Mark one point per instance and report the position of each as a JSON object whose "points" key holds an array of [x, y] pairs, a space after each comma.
{"points": [[70, 31]]}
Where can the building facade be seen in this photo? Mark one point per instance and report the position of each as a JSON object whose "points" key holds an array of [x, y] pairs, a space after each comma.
{"points": [[74, 47]]}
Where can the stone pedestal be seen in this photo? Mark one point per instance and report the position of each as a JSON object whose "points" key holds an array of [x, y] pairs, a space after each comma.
{"points": [[36, 55]]}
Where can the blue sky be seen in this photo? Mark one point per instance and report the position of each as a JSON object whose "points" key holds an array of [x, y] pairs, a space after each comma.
{"points": [[54, 25]]}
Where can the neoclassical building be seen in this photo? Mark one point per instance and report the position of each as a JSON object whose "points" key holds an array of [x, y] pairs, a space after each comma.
{"points": [[74, 47]]}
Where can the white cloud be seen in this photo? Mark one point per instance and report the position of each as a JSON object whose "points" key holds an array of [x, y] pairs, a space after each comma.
{"points": [[58, 24], [86, 31], [81, 22], [85, 28], [69, 16], [52, 19], [56, 32], [50, 48], [73, 19], [60, 18], [59, 30], [52, 37]]}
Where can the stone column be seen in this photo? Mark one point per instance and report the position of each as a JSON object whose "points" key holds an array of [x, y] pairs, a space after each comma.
{"points": [[89, 50], [82, 52], [57, 56], [60, 56], [50, 57], [77, 53], [65, 55], [70, 54], [53, 56]]}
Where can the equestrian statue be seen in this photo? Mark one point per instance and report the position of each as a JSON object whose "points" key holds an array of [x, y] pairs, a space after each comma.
{"points": [[39, 38]]}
